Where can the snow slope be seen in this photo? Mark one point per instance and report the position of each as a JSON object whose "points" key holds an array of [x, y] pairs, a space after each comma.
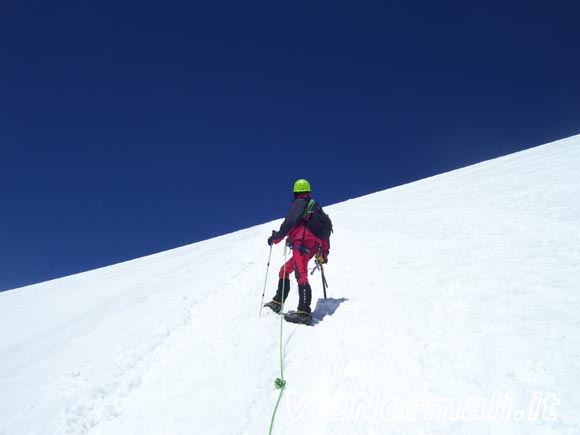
{"points": [[453, 310]]}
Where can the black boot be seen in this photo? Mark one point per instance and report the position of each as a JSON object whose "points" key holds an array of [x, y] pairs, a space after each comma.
{"points": [[274, 306], [303, 315], [305, 298], [299, 317], [276, 303], [285, 284]]}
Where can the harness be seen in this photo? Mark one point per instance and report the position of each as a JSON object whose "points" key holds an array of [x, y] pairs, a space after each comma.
{"points": [[301, 248]]}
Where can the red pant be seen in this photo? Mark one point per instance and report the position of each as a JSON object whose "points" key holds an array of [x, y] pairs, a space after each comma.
{"points": [[299, 264]]}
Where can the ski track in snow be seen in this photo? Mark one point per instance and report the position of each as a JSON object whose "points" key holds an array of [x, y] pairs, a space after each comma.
{"points": [[457, 287]]}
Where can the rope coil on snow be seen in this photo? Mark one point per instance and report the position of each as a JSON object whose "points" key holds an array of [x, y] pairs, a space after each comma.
{"points": [[280, 384]]}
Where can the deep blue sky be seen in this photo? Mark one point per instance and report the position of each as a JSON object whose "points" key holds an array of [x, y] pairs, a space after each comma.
{"points": [[128, 128]]}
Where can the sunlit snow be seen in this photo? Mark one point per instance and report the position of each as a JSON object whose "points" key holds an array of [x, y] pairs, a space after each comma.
{"points": [[453, 309]]}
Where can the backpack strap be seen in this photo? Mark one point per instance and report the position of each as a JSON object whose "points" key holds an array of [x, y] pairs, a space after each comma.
{"points": [[309, 208], [307, 211]]}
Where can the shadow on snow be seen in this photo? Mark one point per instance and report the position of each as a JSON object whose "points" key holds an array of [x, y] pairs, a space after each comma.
{"points": [[325, 307]]}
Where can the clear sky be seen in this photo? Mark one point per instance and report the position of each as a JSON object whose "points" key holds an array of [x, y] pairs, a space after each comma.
{"points": [[128, 128]]}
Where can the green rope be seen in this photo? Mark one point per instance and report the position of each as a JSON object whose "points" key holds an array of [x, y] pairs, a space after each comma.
{"points": [[280, 383]]}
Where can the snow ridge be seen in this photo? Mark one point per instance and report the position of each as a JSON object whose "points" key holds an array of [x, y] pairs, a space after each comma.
{"points": [[452, 309]]}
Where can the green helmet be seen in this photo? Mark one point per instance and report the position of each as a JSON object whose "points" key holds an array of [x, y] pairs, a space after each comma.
{"points": [[301, 186]]}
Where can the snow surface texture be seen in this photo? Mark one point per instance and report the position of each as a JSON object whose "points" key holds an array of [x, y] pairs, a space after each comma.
{"points": [[453, 310]]}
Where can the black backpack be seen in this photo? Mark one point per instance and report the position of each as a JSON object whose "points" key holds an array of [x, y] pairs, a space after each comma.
{"points": [[317, 220]]}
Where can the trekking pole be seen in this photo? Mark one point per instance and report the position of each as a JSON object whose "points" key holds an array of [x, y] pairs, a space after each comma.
{"points": [[324, 283], [265, 281]]}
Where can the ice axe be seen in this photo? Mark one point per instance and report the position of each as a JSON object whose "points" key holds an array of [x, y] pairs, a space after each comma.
{"points": [[319, 261]]}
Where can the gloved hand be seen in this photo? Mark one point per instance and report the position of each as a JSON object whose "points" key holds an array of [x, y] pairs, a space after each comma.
{"points": [[271, 238], [322, 257]]}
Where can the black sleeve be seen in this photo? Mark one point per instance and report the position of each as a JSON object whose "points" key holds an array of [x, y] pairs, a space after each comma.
{"points": [[294, 216]]}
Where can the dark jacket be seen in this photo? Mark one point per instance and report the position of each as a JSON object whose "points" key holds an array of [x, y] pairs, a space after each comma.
{"points": [[293, 218], [295, 227]]}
